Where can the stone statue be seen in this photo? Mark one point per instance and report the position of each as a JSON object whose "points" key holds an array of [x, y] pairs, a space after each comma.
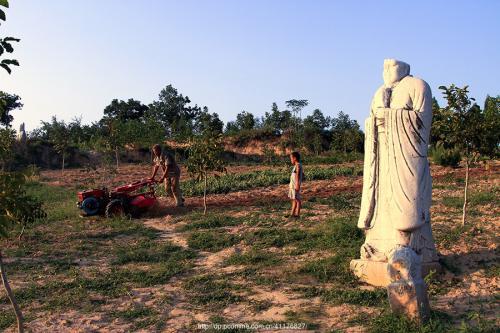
{"points": [[21, 135], [397, 184]]}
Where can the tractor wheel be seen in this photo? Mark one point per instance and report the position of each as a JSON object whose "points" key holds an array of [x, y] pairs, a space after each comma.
{"points": [[115, 209], [90, 206]]}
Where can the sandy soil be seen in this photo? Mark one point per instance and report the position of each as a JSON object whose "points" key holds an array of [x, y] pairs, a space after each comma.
{"points": [[470, 289]]}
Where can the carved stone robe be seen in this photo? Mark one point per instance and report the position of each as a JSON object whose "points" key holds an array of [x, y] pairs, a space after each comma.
{"points": [[397, 184]]}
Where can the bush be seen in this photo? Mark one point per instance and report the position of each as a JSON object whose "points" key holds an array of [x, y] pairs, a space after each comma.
{"points": [[445, 157]]}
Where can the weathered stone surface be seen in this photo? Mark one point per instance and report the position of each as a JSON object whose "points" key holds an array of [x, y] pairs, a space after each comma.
{"points": [[397, 190], [407, 291], [375, 272]]}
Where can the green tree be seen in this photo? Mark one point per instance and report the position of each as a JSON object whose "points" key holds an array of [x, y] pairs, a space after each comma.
{"points": [[8, 103], [174, 111], [314, 130], [6, 43], [466, 129], [58, 134], [245, 121], [272, 120], [16, 207], [205, 158], [346, 134], [113, 138], [491, 145], [7, 139], [206, 122], [231, 128], [297, 105], [129, 110]]}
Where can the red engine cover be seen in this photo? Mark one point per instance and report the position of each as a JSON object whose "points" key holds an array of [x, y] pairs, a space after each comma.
{"points": [[142, 201], [98, 193]]}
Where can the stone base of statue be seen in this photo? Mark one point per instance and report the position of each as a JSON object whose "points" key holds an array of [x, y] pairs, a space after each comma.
{"points": [[375, 272], [407, 291]]}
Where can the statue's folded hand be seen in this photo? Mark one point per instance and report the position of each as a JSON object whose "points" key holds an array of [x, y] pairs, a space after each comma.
{"points": [[381, 112]]}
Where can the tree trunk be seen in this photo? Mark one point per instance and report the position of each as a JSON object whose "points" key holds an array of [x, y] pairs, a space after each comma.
{"points": [[22, 232], [205, 195], [12, 299], [464, 213], [62, 169], [117, 157]]}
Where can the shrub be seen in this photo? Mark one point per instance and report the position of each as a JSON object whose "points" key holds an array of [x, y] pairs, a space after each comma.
{"points": [[445, 157]]}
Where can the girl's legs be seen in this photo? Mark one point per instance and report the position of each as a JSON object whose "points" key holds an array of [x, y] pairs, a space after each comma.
{"points": [[293, 207], [298, 205]]}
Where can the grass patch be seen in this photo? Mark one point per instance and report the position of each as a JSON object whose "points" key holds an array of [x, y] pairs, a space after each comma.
{"points": [[341, 202], [331, 269], [140, 315], [150, 252], [137, 311], [453, 202], [7, 319], [338, 233], [209, 290], [274, 237], [243, 181], [64, 197], [211, 221], [211, 241], [484, 198], [355, 296], [388, 322], [256, 258], [450, 236]]}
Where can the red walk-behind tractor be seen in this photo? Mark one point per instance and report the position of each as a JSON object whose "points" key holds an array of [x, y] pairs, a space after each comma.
{"points": [[131, 199]]}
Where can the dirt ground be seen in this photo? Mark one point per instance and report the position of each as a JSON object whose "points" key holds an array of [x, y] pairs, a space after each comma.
{"points": [[468, 288]]}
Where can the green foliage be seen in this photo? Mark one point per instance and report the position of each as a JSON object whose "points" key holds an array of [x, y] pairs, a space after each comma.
{"points": [[465, 125], [211, 241], [174, 112], [243, 181], [7, 139], [491, 145], [211, 221], [245, 121], [445, 157], [208, 123], [7, 319], [338, 296], [275, 237], [209, 290], [205, 157], [8, 103], [58, 133], [255, 258], [123, 111], [16, 207], [277, 121], [151, 252], [331, 269], [6, 43], [388, 322], [346, 134]]}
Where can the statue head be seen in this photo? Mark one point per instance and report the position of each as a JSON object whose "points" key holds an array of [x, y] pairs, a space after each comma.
{"points": [[394, 71]]}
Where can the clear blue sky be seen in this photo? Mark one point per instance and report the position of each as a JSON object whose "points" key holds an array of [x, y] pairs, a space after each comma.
{"points": [[78, 55]]}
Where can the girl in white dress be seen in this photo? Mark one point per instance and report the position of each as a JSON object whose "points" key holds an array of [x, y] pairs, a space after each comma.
{"points": [[295, 183]]}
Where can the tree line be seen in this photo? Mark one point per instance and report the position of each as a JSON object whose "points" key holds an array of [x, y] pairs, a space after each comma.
{"points": [[172, 116]]}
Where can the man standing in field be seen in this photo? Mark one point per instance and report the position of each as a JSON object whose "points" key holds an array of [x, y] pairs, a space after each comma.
{"points": [[171, 173], [295, 183]]}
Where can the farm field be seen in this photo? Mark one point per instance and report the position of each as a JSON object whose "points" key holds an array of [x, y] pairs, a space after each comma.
{"points": [[244, 262]]}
